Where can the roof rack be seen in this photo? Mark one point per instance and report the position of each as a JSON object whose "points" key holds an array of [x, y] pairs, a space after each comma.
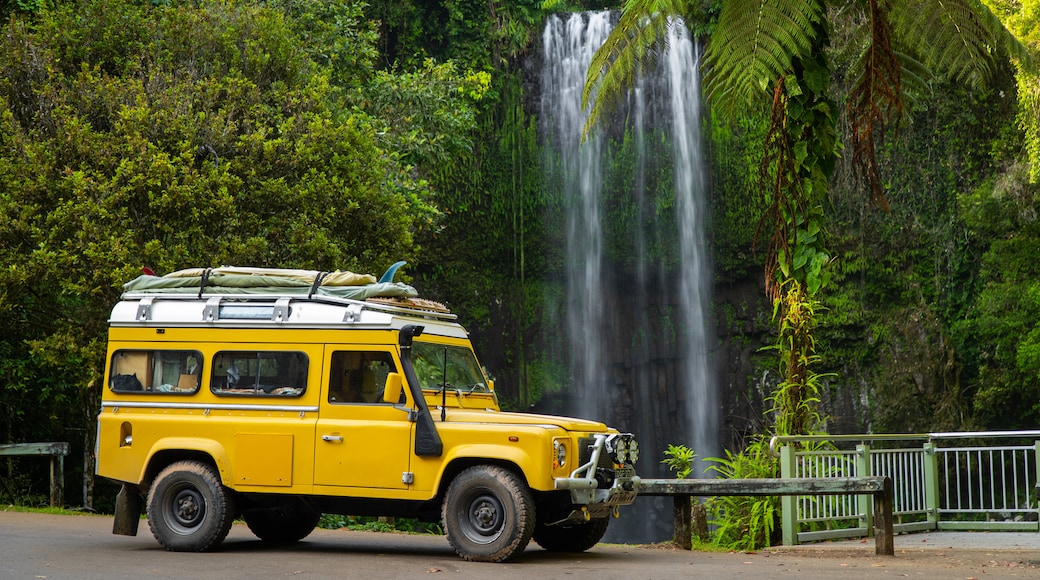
{"points": [[228, 284], [222, 306]]}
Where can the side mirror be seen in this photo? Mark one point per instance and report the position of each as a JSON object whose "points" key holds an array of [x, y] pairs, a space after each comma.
{"points": [[491, 385], [392, 390]]}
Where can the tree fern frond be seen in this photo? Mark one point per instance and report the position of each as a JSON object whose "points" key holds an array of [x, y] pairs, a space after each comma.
{"points": [[915, 77], [628, 50], [754, 43], [958, 37]]}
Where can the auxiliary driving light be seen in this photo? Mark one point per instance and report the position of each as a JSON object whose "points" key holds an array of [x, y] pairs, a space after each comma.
{"points": [[625, 449]]}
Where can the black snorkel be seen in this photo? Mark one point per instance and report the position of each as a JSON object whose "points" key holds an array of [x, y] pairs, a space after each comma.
{"points": [[427, 440]]}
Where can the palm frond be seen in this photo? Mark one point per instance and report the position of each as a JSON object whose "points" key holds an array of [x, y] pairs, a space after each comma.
{"points": [[755, 42], [629, 49], [957, 37]]}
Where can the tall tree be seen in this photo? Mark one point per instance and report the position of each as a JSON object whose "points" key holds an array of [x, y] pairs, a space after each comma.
{"points": [[137, 134]]}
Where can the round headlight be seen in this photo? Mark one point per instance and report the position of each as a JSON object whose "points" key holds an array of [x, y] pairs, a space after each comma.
{"points": [[561, 454]]}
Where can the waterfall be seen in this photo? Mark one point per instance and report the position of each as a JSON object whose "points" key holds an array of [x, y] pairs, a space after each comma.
{"points": [[633, 312]]}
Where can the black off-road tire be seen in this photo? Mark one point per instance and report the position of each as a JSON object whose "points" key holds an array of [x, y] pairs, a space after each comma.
{"points": [[188, 508], [571, 538], [281, 526], [489, 514]]}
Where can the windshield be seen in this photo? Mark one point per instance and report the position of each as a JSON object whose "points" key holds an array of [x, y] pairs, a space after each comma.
{"points": [[439, 365]]}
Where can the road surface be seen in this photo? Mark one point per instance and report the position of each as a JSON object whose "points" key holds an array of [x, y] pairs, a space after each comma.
{"points": [[41, 546]]}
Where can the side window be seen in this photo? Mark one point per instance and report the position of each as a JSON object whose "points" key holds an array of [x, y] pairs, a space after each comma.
{"points": [[155, 371], [259, 373], [359, 376]]}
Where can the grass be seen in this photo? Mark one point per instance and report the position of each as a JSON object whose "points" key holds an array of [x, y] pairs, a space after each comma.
{"points": [[46, 510]]}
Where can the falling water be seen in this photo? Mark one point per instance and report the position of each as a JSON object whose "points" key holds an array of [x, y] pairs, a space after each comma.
{"points": [[637, 275], [572, 42], [695, 275]]}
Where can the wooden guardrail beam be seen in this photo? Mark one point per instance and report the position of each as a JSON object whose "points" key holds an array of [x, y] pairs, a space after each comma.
{"points": [[57, 452], [683, 489]]}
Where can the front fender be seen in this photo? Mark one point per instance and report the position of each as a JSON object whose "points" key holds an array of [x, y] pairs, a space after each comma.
{"points": [[537, 471]]}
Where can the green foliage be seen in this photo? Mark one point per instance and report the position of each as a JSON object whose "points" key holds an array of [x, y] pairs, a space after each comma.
{"points": [[905, 281], [801, 149], [1023, 18], [744, 523], [428, 114], [737, 206], [628, 50], [679, 459], [471, 31], [8, 7], [796, 397], [373, 524], [1000, 332], [955, 38], [756, 43], [337, 37], [488, 258], [135, 134]]}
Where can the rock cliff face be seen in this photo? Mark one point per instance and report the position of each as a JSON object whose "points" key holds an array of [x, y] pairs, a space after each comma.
{"points": [[896, 375]]}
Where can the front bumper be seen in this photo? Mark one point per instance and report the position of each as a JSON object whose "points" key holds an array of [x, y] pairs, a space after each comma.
{"points": [[585, 483]]}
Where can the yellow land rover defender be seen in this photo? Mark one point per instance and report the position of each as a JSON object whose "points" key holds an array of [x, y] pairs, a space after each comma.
{"points": [[279, 395]]}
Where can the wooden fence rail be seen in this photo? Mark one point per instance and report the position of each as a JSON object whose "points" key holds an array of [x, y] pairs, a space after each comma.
{"points": [[57, 452], [683, 489]]}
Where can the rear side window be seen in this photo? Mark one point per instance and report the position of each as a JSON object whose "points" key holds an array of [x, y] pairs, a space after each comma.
{"points": [[259, 373], [155, 371]]}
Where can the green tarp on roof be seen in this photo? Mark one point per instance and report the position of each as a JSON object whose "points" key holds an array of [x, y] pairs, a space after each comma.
{"points": [[231, 280]]}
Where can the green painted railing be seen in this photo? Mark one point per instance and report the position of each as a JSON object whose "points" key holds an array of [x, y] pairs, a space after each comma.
{"points": [[944, 481]]}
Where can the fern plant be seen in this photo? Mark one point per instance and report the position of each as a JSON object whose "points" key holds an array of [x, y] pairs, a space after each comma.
{"points": [[740, 522], [679, 459]]}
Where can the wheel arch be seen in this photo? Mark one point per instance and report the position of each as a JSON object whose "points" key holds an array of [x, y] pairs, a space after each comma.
{"points": [[169, 451], [460, 464]]}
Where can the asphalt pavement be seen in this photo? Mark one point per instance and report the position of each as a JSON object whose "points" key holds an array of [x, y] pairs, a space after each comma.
{"points": [[55, 547]]}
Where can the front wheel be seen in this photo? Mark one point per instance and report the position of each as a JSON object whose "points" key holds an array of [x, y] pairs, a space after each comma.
{"points": [[188, 508], [571, 538], [488, 514]]}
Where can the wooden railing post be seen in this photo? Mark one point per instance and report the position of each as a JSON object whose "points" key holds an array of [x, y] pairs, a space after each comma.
{"points": [[57, 480], [884, 540], [682, 532]]}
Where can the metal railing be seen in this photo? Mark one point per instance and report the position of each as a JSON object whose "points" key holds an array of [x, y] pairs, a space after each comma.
{"points": [[951, 481]]}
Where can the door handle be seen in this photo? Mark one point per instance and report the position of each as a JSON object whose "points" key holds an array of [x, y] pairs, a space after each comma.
{"points": [[332, 438]]}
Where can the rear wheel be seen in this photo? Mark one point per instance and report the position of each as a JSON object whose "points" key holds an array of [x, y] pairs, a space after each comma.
{"points": [[281, 526], [189, 510], [488, 514], [571, 538]]}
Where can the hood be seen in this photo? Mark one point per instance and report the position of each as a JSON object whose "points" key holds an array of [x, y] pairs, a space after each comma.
{"points": [[503, 418]]}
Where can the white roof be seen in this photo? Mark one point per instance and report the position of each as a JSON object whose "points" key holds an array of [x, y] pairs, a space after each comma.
{"points": [[275, 311]]}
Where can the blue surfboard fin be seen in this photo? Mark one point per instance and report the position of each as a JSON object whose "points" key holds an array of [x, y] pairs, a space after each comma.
{"points": [[388, 276]]}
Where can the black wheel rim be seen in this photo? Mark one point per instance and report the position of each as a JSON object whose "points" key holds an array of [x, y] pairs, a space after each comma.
{"points": [[185, 508], [483, 519]]}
